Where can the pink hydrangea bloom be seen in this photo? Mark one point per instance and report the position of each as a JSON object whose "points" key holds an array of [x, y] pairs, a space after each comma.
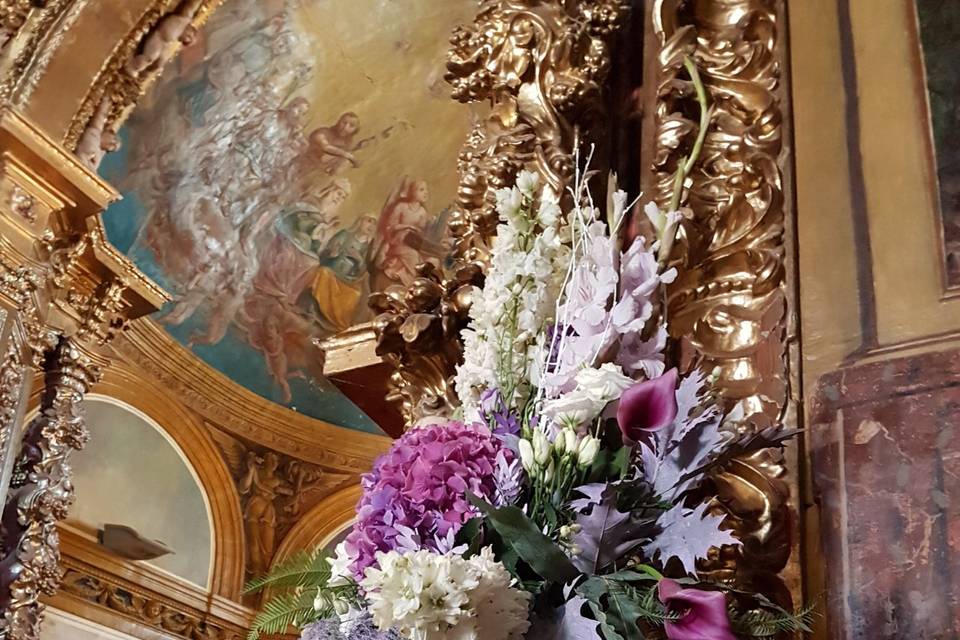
{"points": [[418, 489]]}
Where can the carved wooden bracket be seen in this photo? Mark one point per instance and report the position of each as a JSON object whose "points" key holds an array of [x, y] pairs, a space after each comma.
{"points": [[732, 304]]}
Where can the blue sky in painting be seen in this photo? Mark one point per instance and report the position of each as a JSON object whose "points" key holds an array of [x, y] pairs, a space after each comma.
{"points": [[231, 356]]}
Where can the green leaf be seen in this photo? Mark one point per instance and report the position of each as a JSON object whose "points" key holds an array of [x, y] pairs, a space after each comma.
{"points": [[282, 612], [620, 464], [469, 535], [608, 632], [305, 569], [536, 549]]}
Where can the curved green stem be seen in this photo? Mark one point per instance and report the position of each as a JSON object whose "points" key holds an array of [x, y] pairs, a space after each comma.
{"points": [[687, 164]]}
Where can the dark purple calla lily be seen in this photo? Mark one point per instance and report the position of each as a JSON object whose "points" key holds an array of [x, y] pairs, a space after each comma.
{"points": [[648, 406], [703, 613]]}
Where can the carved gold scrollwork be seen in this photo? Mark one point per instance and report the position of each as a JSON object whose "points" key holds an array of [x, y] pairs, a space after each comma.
{"points": [[730, 300], [133, 64], [148, 609], [13, 15], [41, 492], [540, 64]]}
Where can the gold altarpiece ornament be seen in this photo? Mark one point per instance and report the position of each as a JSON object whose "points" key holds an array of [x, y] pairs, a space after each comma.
{"points": [[541, 67], [64, 293]]}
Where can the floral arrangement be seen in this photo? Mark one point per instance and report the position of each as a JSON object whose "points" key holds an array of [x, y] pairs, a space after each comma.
{"points": [[568, 500]]}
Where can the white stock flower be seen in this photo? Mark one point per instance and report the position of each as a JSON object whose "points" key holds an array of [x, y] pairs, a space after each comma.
{"points": [[527, 182], [428, 596], [509, 201]]}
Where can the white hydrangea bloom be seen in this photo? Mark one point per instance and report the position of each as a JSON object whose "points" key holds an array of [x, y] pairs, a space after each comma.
{"points": [[428, 596]]}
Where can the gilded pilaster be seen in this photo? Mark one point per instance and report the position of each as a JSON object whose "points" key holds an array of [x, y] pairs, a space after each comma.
{"points": [[731, 304]]}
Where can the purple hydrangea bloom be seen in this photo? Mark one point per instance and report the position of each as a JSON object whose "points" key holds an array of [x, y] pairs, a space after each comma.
{"points": [[417, 491]]}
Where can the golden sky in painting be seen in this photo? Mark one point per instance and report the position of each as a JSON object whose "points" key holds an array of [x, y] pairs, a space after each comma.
{"points": [[390, 77]]}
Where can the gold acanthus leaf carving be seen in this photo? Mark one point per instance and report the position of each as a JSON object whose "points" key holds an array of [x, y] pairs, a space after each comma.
{"points": [[540, 65], [149, 609], [730, 300]]}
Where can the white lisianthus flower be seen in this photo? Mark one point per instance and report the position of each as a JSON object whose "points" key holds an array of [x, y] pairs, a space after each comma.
{"points": [[527, 182], [574, 408], [428, 596], [340, 564], [605, 384]]}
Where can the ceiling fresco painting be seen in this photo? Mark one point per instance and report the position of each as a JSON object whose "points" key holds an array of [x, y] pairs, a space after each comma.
{"points": [[291, 160]]}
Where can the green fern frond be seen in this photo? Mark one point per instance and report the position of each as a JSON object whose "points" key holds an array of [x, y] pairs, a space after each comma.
{"points": [[762, 623], [282, 612], [305, 569]]}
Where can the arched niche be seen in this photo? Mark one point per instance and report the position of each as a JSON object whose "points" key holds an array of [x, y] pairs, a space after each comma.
{"points": [[132, 473], [193, 440]]}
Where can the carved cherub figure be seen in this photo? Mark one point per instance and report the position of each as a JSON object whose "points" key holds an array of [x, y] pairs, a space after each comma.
{"points": [[97, 140], [173, 27]]}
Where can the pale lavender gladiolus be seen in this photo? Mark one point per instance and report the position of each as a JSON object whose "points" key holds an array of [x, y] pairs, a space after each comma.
{"points": [[648, 406], [703, 613]]}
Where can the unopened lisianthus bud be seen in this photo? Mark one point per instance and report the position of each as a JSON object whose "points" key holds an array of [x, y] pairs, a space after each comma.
{"points": [[541, 448], [342, 607], [560, 444], [526, 455], [571, 437], [587, 452], [548, 474]]}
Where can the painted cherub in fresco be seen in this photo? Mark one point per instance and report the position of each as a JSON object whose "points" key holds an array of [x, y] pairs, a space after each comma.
{"points": [[173, 27]]}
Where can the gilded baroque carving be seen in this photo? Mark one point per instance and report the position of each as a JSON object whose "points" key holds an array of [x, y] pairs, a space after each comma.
{"points": [[540, 64], [275, 491], [148, 609], [127, 73], [23, 204], [240, 412], [729, 302], [12, 369], [41, 493], [37, 33], [13, 15]]}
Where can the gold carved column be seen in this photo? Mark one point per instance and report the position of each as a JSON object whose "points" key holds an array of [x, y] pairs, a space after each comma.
{"points": [[64, 294], [733, 304]]}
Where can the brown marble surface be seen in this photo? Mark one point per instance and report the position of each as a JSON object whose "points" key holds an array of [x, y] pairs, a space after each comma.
{"points": [[885, 461]]}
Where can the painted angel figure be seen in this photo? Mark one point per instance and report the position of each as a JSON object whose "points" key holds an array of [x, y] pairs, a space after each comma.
{"points": [[401, 242]]}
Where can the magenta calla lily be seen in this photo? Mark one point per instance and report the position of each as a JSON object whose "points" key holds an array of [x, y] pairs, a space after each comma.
{"points": [[650, 405], [703, 613]]}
